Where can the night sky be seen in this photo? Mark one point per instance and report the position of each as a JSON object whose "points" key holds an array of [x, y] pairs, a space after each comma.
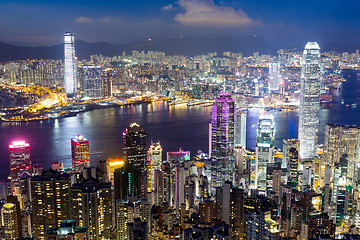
{"points": [[283, 23]]}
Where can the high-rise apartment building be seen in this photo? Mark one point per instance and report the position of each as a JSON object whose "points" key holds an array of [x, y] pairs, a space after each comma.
{"points": [[222, 139], [265, 140], [11, 218], [107, 82], [80, 152], [70, 65], [309, 101], [91, 207], [50, 201]]}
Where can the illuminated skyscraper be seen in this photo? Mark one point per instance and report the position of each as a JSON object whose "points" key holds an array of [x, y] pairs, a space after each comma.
{"points": [[265, 140], [240, 129], [154, 161], [274, 76], [20, 161], [309, 101], [222, 139], [135, 145], [80, 153], [70, 65]]}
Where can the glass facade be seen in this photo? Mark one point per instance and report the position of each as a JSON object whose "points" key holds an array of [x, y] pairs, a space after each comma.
{"points": [[265, 140], [69, 64], [309, 101], [222, 139]]}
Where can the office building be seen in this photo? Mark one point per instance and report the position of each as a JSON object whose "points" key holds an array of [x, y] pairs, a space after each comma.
{"points": [[240, 129], [50, 201], [222, 139], [309, 101], [154, 161], [70, 65], [20, 161], [274, 76], [264, 154], [80, 152], [134, 146], [91, 82]]}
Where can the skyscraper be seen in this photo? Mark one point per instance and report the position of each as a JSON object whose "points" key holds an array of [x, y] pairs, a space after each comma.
{"points": [[20, 161], [265, 140], [309, 101], [135, 145], [154, 161], [80, 153], [274, 76], [70, 65], [222, 139], [240, 129]]}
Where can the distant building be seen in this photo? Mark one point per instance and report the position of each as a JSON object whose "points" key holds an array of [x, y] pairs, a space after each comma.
{"points": [[309, 101], [240, 129], [80, 152], [91, 82], [70, 65], [107, 82], [274, 76]]}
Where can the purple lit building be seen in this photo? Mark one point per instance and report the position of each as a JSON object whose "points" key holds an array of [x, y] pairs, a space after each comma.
{"points": [[222, 139]]}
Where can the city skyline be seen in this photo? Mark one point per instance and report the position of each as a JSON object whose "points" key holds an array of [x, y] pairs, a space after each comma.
{"points": [[282, 23]]}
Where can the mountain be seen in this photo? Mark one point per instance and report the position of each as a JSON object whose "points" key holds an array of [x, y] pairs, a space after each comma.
{"points": [[179, 46]]}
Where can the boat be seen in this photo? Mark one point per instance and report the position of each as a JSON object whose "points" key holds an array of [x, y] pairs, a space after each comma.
{"points": [[279, 109], [266, 108]]}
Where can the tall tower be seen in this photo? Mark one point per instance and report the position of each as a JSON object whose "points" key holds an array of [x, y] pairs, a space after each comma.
{"points": [[265, 140], [135, 153], [80, 152], [20, 161], [154, 161], [222, 139], [309, 101], [69, 65], [274, 76], [240, 129]]}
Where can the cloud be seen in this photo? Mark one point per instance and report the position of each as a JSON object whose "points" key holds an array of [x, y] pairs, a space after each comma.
{"points": [[167, 7], [206, 12], [83, 19]]}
